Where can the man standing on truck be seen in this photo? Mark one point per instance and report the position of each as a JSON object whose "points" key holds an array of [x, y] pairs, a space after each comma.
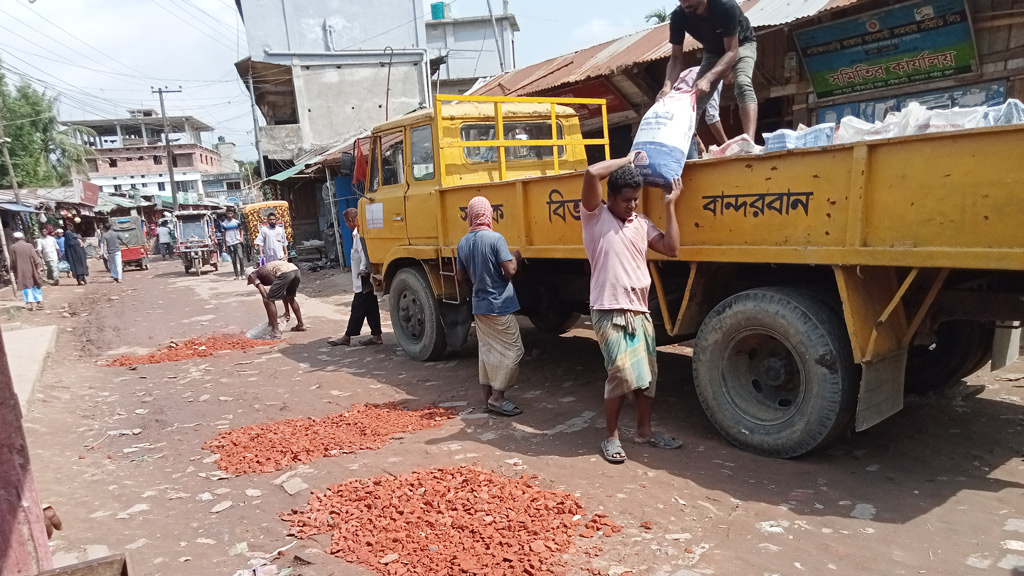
{"points": [[729, 45], [484, 260], [616, 239]]}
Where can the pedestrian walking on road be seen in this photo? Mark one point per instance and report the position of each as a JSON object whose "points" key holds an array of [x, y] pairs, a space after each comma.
{"points": [[110, 250], [233, 242], [25, 263], [74, 252], [163, 235], [50, 252], [62, 253], [364, 303], [616, 239], [272, 242], [485, 261], [283, 280]]}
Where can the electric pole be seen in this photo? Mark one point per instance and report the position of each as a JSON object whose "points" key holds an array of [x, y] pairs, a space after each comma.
{"points": [[10, 167], [167, 143], [17, 199], [256, 127]]}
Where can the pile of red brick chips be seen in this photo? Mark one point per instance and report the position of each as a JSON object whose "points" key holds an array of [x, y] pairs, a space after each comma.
{"points": [[192, 348], [444, 521], [275, 445]]}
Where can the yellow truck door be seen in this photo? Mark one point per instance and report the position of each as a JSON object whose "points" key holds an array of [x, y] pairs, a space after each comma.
{"points": [[385, 210]]}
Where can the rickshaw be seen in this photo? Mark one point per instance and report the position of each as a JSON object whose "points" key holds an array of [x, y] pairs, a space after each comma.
{"points": [[254, 217], [197, 243], [135, 251]]}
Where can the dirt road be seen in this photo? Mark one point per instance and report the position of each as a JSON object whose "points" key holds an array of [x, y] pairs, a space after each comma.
{"points": [[934, 490]]}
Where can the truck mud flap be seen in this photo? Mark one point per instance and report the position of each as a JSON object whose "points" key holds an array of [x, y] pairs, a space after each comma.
{"points": [[1006, 344], [457, 319], [881, 389]]}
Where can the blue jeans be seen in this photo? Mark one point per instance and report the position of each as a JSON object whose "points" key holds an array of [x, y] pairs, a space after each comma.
{"points": [[114, 262]]}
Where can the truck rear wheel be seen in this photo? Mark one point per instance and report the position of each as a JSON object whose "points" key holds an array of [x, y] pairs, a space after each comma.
{"points": [[961, 348], [774, 371], [415, 315]]}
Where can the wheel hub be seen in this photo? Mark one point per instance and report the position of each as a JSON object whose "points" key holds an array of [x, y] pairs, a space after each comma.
{"points": [[762, 375], [410, 316]]}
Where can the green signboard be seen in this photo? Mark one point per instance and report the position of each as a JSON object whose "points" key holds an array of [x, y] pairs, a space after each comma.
{"points": [[913, 42]]}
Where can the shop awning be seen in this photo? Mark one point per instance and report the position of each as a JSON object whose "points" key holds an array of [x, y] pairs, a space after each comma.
{"points": [[13, 207], [281, 176]]}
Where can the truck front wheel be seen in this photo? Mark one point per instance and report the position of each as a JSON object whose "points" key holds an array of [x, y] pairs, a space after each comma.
{"points": [[774, 371], [415, 315]]}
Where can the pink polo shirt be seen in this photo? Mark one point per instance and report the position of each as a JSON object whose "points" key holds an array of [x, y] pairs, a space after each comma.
{"points": [[619, 279]]}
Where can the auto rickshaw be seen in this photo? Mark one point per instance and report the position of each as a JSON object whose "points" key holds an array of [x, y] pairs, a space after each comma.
{"points": [[254, 217], [134, 252], [197, 242]]}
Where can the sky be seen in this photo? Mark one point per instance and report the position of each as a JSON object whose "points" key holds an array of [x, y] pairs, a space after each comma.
{"points": [[103, 57]]}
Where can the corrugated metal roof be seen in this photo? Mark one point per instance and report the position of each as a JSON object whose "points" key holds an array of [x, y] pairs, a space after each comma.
{"points": [[600, 60], [644, 46]]}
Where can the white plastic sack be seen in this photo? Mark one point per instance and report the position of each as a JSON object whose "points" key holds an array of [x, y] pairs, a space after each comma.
{"points": [[1012, 112], [741, 144], [665, 133], [820, 135]]}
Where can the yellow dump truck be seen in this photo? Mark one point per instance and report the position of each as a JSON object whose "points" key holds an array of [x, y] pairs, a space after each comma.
{"points": [[818, 284]]}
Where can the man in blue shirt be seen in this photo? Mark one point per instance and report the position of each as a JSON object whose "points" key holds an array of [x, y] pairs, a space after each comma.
{"points": [[485, 261]]}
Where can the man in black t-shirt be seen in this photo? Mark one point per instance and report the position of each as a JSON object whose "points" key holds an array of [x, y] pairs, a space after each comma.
{"points": [[728, 40]]}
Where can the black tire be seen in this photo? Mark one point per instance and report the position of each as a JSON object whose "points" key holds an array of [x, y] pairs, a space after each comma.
{"points": [[774, 371], [554, 322], [415, 315], [962, 347]]}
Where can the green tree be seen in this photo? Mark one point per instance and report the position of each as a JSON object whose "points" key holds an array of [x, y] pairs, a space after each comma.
{"points": [[658, 16], [250, 172], [43, 152]]}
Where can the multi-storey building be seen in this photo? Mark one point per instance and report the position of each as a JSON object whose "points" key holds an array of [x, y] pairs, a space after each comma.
{"points": [[130, 153]]}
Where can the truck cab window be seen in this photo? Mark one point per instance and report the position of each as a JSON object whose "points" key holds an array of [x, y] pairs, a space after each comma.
{"points": [[374, 165], [422, 143], [392, 159], [537, 130]]}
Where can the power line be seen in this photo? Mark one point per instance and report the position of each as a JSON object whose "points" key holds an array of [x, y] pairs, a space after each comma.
{"points": [[84, 43], [175, 14], [212, 17]]}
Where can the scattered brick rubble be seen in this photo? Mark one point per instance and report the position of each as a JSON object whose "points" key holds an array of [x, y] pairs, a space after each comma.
{"points": [[275, 445], [446, 521], [192, 348]]}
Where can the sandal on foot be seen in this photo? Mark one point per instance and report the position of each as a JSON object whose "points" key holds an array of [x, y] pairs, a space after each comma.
{"points": [[665, 441], [611, 450], [302, 328], [506, 408], [370, 342], [339, 342]]}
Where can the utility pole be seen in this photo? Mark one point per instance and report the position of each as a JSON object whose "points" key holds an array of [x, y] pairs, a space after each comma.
{"points": [[256, 127], [17, 199], [498, 41], [167, 143], [10, 167]]}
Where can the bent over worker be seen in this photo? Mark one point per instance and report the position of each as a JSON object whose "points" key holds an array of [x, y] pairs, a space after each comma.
{"points": [[729, 45], [283, 279], [616, 239]]}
